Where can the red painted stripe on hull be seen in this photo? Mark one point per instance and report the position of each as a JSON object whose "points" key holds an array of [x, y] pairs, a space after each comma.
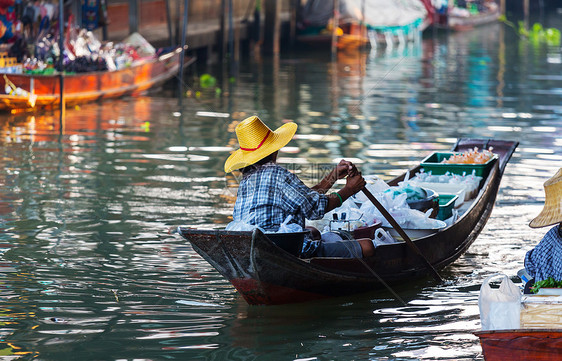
{"points": [[521, 345], [263, 293]]}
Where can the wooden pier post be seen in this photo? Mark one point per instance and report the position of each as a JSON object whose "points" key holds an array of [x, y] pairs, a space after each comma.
{"points": [[272, 26], [133, 16], [182, 53], [222, 32], [526, 13], [294, 4], [62, 104], [335, 27], [169, 22]]}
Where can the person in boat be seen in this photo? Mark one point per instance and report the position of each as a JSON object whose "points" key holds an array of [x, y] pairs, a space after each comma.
{"points": [[269, 193], [545, 260]]}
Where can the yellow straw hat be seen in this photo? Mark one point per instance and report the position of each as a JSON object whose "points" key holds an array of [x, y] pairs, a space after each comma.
{"points": [[552, 211], [257, 141]]}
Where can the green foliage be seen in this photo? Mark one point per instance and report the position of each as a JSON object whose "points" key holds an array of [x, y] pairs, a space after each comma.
{"points": [[207, 81], [547, 283], [553, 37], [522, 31], [537, 34]]}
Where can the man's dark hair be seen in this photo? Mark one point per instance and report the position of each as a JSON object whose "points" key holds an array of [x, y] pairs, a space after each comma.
{"points": [[262, 161]]}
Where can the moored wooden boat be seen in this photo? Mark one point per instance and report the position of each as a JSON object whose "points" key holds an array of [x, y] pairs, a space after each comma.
{"points": [[264, 274], [455, 22], [460, 23], [43, 91], [521, 345]]}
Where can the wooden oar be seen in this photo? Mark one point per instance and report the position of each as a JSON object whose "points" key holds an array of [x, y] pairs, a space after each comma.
{"points": [[401, 232]]}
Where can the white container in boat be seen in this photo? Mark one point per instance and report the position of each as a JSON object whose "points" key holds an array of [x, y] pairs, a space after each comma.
{"points": [[458, 189], [541, 312]]}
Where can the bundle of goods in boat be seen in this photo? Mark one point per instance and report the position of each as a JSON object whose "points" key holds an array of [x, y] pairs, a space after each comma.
{"points": [[348, 217], [417, 197], [459, 163], [84, 53], [414, 222], [472, 156], [463, 185]]}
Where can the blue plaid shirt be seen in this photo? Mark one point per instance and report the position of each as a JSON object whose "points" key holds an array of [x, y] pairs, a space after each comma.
{"points": [[545, 260], [267, 195]]}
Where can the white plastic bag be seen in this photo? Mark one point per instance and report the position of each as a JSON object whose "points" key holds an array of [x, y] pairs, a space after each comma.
{"points": [[240, 226], [500, 308], [287, 227], [374, 185], [382, 237]]}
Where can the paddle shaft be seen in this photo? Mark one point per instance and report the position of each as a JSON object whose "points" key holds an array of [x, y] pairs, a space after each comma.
{"points": [[401, 232]]}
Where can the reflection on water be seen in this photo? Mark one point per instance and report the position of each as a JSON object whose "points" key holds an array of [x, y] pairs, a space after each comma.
{"points": [[89, 270]]}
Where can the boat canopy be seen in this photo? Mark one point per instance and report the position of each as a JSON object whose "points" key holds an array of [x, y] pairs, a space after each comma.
{"points": [[381, 15]]}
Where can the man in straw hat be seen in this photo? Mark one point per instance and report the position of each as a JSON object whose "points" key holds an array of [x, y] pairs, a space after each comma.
{"points": [[545, 260], [268, 193]]}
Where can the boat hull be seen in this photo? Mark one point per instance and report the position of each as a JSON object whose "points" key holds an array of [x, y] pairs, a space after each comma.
{"points": [[466, 23], [265, 274], [88, 87], [521, 345]]}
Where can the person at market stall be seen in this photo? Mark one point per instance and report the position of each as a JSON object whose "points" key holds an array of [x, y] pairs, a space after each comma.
{"points": [[269, 193], [545, 260]]}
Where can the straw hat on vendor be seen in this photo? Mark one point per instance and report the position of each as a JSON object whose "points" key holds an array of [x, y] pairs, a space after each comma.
{"points": [[552, 210], [257, 141]]}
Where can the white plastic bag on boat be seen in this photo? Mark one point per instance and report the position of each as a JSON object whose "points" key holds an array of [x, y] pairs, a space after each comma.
{"points": [[287, 227], [383, 237], [374, 185], [240, 226], [500, 308], [348, 217]]}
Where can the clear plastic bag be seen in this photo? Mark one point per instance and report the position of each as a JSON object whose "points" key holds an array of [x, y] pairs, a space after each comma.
{"points": [[374, 185], [382, 237], [287, 227], [240, 226], [500, 308]]}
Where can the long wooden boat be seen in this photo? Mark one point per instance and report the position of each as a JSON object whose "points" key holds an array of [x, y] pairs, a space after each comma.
{"points": [[265, 274], [521, 345], [43, 91], [462, 23]]}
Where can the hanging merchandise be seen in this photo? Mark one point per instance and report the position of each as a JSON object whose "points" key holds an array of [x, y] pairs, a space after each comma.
{"points": [[8, 21], [90, 14]]}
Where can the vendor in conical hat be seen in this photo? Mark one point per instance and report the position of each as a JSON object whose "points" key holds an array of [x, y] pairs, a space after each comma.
{"points": [[268, 193], [545, 260]]}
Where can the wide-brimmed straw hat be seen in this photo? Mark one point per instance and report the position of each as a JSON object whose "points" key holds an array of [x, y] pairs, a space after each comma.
{"points": [[257, 141], [552, 210]]}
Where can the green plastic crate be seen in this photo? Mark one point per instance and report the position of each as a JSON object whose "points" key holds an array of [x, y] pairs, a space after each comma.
{"points": [[433, 163], [446, 205]]}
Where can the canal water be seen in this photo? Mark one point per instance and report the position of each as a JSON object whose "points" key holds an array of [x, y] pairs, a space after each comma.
{"points": [[88, 270]]}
